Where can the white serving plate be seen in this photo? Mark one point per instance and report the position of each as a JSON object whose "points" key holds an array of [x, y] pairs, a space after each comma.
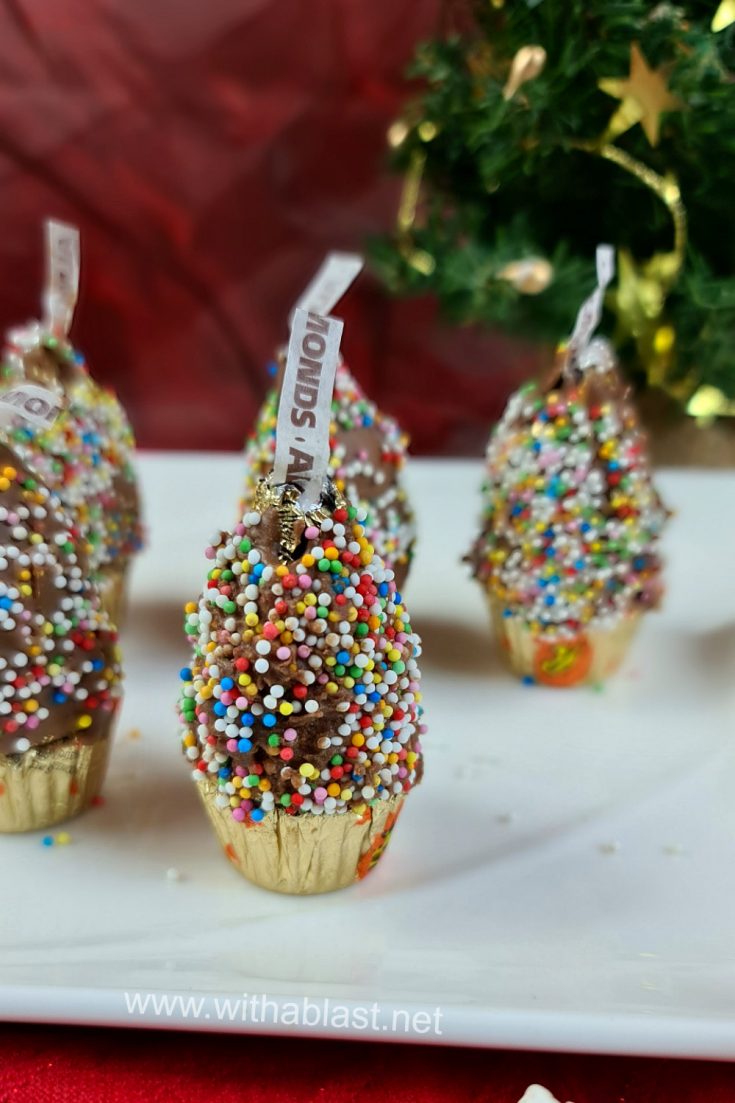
{"points": [[563, 879]]}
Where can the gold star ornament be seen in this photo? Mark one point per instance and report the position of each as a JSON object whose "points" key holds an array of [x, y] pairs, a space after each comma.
{"points": [[644, 96], [724, 17]]}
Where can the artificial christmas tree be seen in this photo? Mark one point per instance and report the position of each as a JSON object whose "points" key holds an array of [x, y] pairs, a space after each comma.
{"points": [[548, 126]]}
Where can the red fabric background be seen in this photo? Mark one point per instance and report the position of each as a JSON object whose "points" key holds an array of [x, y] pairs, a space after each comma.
{"points": [[41, 1065], [211, 154]]}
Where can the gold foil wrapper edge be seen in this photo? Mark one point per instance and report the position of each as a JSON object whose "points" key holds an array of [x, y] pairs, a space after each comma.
{"points": [[51, 783], [592, 657], [303, 854]]}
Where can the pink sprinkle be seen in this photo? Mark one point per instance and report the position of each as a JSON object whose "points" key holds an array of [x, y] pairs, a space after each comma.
{"points": [[311, 532], [303, 651], [310, 612], [227, 698], [209, 553], [242, 703], [238, 814], [283, 653], [231, 744], [240, 771], [240, 528], [402, 771], [304, 581], [32, 722], [323, 679], [320, 794], [289, 734]]}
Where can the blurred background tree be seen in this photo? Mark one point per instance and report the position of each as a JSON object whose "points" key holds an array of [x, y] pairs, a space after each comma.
{"points": [[547, 126]]}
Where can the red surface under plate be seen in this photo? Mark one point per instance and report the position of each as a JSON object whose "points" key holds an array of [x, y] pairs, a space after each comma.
{"points": [[61, 1065]]}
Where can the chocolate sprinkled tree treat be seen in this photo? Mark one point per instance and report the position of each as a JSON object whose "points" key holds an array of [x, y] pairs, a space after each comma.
{"points": [[86, 453], [59, 664], [569, 553], [368, 454], [301, 710]]}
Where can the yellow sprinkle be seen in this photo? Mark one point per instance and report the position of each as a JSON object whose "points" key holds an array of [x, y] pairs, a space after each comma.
{"points": [[285, 708], [84, 721]]}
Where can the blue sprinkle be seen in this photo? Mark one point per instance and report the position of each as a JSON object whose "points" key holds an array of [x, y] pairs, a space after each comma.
{"points": [[223, 773], [257, 570], [5, 603], [227, 684], [47, 840], [59, 697], [219, 708], [507, 613], [269, 721], [383, 589], [257, 814], [97, 664], [358, 688], [184, 674], [244, 745], [550, 599], [247, 719], [343, 656], [528, 680]]}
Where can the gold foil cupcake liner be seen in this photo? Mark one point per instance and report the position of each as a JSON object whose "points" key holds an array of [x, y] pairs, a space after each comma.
{"points": [[113, 590], [592, 656], [304, 854], [50, 783]]}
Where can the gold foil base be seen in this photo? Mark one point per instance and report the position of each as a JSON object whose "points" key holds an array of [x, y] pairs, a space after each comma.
{"points": [[590, 657], [114, 593], [48, 784], [304, 854]]}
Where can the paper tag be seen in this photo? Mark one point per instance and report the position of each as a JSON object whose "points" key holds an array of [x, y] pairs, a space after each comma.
{"points": [[305, 405], [590, 311], [62, 277], [329, 284], [35, 404]]}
